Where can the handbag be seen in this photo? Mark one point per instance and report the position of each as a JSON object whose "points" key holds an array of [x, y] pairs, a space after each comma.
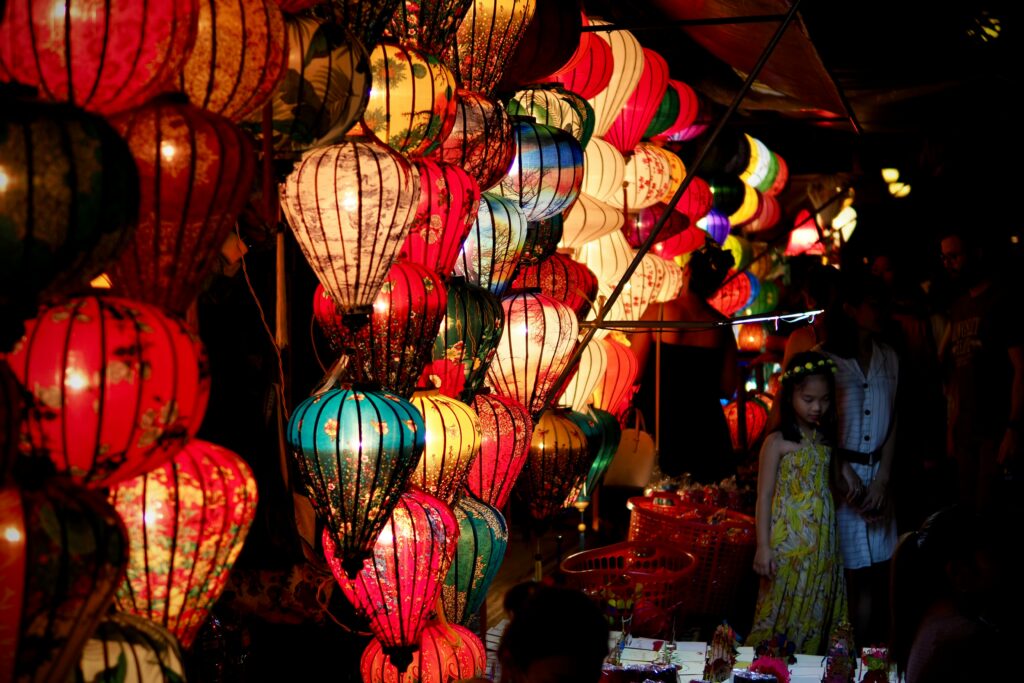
{"points": [[634, 459]]}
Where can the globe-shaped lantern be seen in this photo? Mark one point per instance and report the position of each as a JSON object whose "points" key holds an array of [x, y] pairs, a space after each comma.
{"points": [[781, 177], [592, 366], [546, 173], [590, 69], [350, 207], [715, 225], [641, 225], [765, 301], [646, 180], [366, 19], [505, 427], [485, 40], [727, 194], [613, 391], [604, 169], [399, 585], [492, 249], [451, 442], [751, 337], [238, 59], [676, 172], [608, 443], [696, 201], [542, 239], [768, 214], [760, 163], [482, 140], [64, 551], [697, 127], [561, 278], [756, 418], [733, 295], [449, 200], [448, 652], [607, 258], [412, 99], [547, 45], [686, 241], [642, 288], [355, 451], [128, 382], [558, 456], [666, 113], [587, 220], [740, 250], [639, 108], [143, 650], [557, 108], [195, 170], [627, 67], [730, 154], [483, 538], [673, 281], [535, 345], [688, 107], [748, 209], [105, 57], [186, 521], [428, 25], [770, 175]]}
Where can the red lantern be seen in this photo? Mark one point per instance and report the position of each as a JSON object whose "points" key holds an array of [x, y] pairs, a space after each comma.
{"points": [[768, 214], [696, 201], [118, 387], [589, 72], [561, 278], [187, 521], [733, 295], [757, 418], [628, 127], [482, 141], [448, 652], [449, 200], [613, 391], [427, 25], [505, 428], [752, 337], [293, 6], [195, 170], [400, 584], [688, 107], [547, 45], [451, 442], [627, 67], [486, 39], [102, 56], [558, 456], [781, 178], [642, 223], [688, 240], [62, 553]]}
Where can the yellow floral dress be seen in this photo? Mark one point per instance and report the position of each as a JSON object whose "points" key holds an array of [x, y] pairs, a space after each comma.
{"points": [[807, 596]]}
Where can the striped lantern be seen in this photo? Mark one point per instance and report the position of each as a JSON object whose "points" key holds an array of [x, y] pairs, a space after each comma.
{"points": [[673, 284], [483, 538], [547, 45], [613, 391], [238, 59], [781, 177], [590, 71], [542, 239], [756, 414], [106, 57], [589, 219], [607, 258], [594, 435], [427, 25], [451, 442], [768, 214], [592, 366], [646, 179], [610, 433], [557, 108], [627, 68], [350, 207], [449, 200], [604, 169], [482, 140], [632, 120], [546, 173], [485, 40], [760, 164], [139, 648], [561, 278], [366, 19], [558, 456], [690, 239], [196, 170], [492, 249], [448, 652], [688, 107], [505, 427], [666, 113]]}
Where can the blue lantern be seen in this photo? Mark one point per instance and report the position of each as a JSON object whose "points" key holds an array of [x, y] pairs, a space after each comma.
{"points": [[483, 538]]}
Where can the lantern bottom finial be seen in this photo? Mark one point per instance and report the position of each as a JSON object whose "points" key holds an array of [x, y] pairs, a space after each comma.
{"points": [[352, 566], [400, 656]]}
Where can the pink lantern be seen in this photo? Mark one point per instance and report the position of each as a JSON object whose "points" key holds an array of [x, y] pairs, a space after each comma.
{"points": [[448, 652], [684, 242], [591, 71], [449, 200], [613, 392], [505, 427], [636, 114]]}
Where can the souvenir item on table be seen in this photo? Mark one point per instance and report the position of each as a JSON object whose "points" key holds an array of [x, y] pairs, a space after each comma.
{"points": [[639, 673], [876, 665], [721, 657], [841, 666], [747, 676], [726, 493], [772, 657]]}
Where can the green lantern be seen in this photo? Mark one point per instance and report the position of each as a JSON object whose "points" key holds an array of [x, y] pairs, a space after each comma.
{"points": [[608, 443], [665, 115], [483, 538]]}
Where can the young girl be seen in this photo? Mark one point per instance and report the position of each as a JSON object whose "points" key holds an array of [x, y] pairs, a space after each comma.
{"points": [[802, 591]]}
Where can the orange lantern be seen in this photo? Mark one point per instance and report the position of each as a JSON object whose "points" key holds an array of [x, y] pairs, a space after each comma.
{"points": [[613, 391], [580, 389], [752, 337], [561, 278], [756, 419]]}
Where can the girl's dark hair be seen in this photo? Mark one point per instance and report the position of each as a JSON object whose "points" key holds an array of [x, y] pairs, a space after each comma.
{"points": [[708, 268], [785, 417]]}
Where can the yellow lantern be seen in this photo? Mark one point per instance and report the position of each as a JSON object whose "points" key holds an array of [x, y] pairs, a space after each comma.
{"points": [[760, 163], [589, 219], [646, 179], [557, 458], [603, 170], [748, 209], [627, 67], [676, 171], [452, 440]]}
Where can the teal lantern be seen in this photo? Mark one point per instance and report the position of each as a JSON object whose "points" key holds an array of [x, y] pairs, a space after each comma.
{"points": [[483, 538], [355, 451], [547, 171], [610, 434], [492, 250]]}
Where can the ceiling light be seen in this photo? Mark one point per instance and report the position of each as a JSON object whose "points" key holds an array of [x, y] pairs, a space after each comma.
{"points": [[890, 175], [899, 190]]}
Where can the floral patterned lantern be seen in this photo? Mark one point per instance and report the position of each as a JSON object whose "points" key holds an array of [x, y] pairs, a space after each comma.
{"points": [[538, 338], [677, 173], [505, 427], [366, 19], [733, 295], [647, 178], [632, 120], [483, 538], [643, 286], [673, 281], [613, 391], [412, 99], [542, 239], [608, 258], [756, 418], [547, 171], [587, 220], [129, 382], [186, 521], [64, 551], [449, 200], [592, 366], [561, 278], [141, 649], [238, 59], [448, 652], [482, 140], [493, 247], [486, 39], [355, 451], [627, 68], [350, 207], [399, 585], [427, 25], [195, 171], [547, 45], [106, 57], [557, 108], [452, 441], [558, 456], [604, 169], [590, 70], [610, 435]]}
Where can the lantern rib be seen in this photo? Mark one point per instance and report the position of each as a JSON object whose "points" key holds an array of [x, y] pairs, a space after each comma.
{"points": [[63, 360], [242, 15], [172, 472]]}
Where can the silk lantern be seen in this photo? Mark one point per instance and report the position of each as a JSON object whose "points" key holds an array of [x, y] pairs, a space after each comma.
{"points": [[448, 652], [69, 202], [770, 174], [715, 225], [688, 240], [186, 521], [608, 258], [696, 201], [324, 90], [698, 126], [135, 648], [355, 451], [558, 455], [627, 68], [491, 251], [727, 194], [399, 585], [350, 207], [593, 434], [732, 296], [688, 109], [591, 71], [238, 59], [748, 207], [729, 155], [604, 169], [765, 301], [760, 162], [589, 219], [557, 108], [673, 284], [592, 366], [546, 173], [505, 427], [428, 25], [451, 441], [611, 434], [105, 57], [740, 250], [547, 44], [647, 178], [781, 177], [118, 387], [449, 200], [751, 337], [366, 19], [641, 225], [641, 288], [666, 113], [676, 173], [196, 171], [636, 113], [768, 214], [542, 239], [63, 553], [293, 6], [561, 278], [535, 345], [483, 538], [412, 99], [613, 391], [756, 419], [755, 287], [482, 140], [485, 40]]}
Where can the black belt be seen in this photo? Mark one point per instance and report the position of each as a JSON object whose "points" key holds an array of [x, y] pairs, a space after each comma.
{"points": [[860, 458]]}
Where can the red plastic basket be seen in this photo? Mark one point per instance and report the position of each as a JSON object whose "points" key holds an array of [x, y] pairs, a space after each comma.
{"points": [[724, 550]]}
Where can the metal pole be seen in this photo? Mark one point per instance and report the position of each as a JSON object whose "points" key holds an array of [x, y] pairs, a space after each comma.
{"points": [[706, 21], [699, 324]]}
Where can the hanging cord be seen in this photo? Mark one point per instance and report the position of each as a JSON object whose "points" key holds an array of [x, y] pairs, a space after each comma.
{"points": [[312, 342], [323, 598]]}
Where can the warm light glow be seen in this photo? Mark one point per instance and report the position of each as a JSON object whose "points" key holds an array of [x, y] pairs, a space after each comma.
{"points": [[845, 222], [167, 151], [101, 281], [4, 180], [899, 190], [890, 175], [12, 534], [76, 380]]}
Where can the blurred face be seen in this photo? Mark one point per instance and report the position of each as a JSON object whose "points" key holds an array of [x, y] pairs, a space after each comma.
{"points": [[811, 400], [882, 268], [867, 315], [954, 257]]}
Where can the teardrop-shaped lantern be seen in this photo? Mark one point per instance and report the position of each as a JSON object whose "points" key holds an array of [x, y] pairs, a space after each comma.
{"points": [[483, 538], [607, 258], [324, 90], [592, 366], [673, 281], [538, 338], [505, 427], [485, 40], [647, 178], [561, 278], [557, 108], [482, 140], [558, 455], [547, 45], [118, 387], [547, 172], [412, 99], [448, 652], [591, 68], [495, 242], [589, 219], [399, 585], [451, 441], [355, 450], [136, 647], [715, 225], [195, 171], [186, 521], [610, 435], [542, 239], [12, 412], [632, 120], [627, 68], [756, 418], [613, 391], [604, 169], [449, 200], [106, 57], [350, 207], [366, 19], [594, 435], [427, 25], [238, 59], [64, 551], [466, 340]]}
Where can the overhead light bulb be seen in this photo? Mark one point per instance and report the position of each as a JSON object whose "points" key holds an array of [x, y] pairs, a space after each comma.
{"points": [[899, 190], [890, 175]]}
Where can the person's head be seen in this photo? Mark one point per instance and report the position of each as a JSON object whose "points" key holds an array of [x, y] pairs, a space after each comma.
{"points": [[883, 266], [707, 269], [961, 258], [861, 309], [807, 397], [554, 634], [822, 287]]}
